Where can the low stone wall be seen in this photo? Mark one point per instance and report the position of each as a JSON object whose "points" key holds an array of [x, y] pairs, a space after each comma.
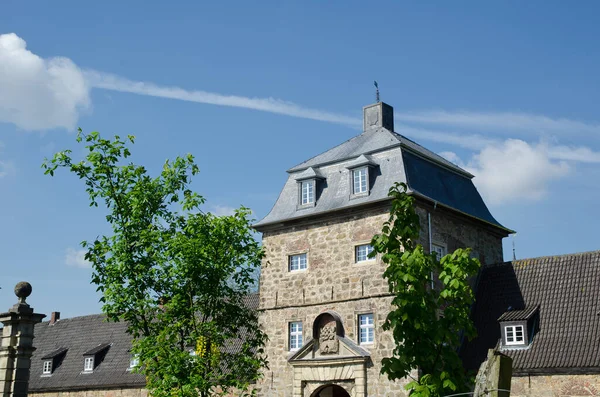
{"points": [[555, 386], [137, 392]]}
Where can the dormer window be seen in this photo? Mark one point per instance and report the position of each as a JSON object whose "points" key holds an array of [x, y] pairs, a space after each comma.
{"points": [[359, 176], [47, 369], [514, 335], [93, 357], [518, 327], [308, 187], [88, 364], [52, 360], [308, 192], [134, 361]]}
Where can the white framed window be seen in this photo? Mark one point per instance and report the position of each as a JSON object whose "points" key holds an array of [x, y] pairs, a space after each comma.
{"points": [[308, 192], [134, 361], [297, 262], [366, 329], [296, 341], [362, 252], [88, 364], [440, 250], [514, 334], [359, 178], [47, 369]]}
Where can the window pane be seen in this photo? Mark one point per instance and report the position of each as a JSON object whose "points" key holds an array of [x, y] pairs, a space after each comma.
{"points": [[363, 335], [295, 335], [439, 250], [362, 252], [297, 262], [308, 192], [360, 180], [366, 330]]}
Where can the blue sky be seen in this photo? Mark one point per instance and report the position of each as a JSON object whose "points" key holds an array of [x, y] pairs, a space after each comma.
{"points": [[507, 90]]}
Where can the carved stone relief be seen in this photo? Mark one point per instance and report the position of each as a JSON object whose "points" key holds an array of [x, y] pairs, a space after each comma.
{"points": [[328, 343]]}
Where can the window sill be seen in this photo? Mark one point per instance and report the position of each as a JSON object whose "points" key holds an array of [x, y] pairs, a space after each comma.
{"points": [[305, 206], [359, 195], [367, 262], [300, 271]]}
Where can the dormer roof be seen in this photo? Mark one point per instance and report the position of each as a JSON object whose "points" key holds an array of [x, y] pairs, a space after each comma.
{"points": [[519, 315], [309, 173], [98, 349]]}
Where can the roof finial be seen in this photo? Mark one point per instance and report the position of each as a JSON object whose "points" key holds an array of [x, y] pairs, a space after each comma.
{"points": [[514, 251], [376, 92]]}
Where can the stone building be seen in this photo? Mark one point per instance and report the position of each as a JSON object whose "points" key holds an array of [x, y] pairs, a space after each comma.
{"points": [[323, 300], [84, 356], [544, 313]]}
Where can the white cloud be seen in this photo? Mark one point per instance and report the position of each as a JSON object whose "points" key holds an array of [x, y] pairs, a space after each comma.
{"points": [[512, 171], [580, 154], [76, 258], [37, 93], [502, 122], [116, 83], [467, 141], [222, 210], [6, 167]]}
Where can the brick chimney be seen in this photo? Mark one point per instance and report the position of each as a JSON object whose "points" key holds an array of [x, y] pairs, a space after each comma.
{"points": [[54, 317], [378, 115]]}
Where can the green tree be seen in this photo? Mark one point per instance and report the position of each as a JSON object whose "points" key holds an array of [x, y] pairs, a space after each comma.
{"points": [[177, 275], [427, 323]]}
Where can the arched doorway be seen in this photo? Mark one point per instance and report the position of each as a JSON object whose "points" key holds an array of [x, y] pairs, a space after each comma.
{"points": [[330, 391]]}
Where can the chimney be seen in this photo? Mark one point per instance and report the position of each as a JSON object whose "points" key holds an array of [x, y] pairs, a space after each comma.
{"points": [[378, 115], [54, 317]]}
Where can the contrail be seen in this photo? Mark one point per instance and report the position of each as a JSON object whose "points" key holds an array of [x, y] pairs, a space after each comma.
{"points": [[116, 83]]}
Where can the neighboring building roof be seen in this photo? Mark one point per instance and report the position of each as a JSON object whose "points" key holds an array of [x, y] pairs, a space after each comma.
{"points": [[67, 342], [397, 159], [567, 290], [82, 335]]}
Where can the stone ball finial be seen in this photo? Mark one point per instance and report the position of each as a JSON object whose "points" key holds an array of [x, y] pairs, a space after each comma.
{"points": [[23, 290]]}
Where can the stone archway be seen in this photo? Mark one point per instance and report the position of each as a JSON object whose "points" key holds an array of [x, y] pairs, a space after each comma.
{"points": [[330, 391]]}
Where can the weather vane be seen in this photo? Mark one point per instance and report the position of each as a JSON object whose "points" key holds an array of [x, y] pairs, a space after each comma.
{"points": [[376, 92]]}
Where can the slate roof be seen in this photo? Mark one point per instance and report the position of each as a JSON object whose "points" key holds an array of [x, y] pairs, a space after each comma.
{"points": [[397, 159], [90, 335], [371, 141], [567, 290], [80, 335]]}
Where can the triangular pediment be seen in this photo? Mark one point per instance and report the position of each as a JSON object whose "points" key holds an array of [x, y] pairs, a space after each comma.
{"points": [[337, 349]]}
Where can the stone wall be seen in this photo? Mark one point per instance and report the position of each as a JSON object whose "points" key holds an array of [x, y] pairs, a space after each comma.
{"points": [[333, 281], [137, 392], [555, 386]]}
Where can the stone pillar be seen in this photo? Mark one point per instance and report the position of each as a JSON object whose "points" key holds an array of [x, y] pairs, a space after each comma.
{"points": [[16, 344], [494, 376]]}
